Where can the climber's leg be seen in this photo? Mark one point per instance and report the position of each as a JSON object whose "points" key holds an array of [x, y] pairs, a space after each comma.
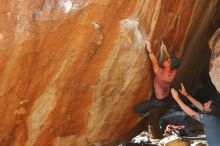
{"points": [[144, 107], [149, 104], [154, 118]]}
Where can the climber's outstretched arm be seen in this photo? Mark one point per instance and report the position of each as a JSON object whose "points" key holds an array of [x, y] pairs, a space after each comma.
{"points": [[183, 91], [152, 57], [166, 52], [184, 107]]}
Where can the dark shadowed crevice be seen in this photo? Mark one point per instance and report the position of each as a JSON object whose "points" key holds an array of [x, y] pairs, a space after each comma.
{"points": [[196, 56]]}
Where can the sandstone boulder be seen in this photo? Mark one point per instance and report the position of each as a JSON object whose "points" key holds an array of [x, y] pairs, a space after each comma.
{"points": [[214, 45], [71, 71]]}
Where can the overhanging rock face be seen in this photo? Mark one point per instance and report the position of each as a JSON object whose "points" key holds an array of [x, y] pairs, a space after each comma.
{"points": [[71, 71]]}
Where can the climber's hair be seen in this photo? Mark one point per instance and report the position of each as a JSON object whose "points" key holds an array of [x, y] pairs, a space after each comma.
{"points": [[175, 62], [215, 105]]}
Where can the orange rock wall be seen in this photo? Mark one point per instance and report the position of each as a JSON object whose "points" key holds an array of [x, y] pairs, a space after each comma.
{"points": [[72, 70], [196, 55]]}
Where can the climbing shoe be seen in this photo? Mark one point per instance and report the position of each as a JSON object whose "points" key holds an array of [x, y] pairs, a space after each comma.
{"points": [[144, 115]]}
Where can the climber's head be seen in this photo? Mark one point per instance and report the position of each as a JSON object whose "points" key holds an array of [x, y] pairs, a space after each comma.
{"points": [[215, 106], [171, 62], [215, 109], [166, 63]]}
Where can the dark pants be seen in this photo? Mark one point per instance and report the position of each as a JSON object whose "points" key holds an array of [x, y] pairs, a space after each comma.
{"points": [[145, 106]]}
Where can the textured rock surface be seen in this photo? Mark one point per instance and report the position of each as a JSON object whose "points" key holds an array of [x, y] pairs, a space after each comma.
{"points": [[196, 55], [214, 72], [72, 70]]}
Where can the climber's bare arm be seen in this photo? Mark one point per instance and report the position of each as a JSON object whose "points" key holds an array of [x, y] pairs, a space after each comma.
{"points": [[152, 57], [166, 52], [184, 107], [183, 91]]}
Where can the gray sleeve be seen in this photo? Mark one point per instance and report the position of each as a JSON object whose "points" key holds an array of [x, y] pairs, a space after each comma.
{"points": [[196, 117], [204, 119]]}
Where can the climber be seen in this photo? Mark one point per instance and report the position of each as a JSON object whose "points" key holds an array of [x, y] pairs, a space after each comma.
{"points": [[165, 72], [210, 118]]}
